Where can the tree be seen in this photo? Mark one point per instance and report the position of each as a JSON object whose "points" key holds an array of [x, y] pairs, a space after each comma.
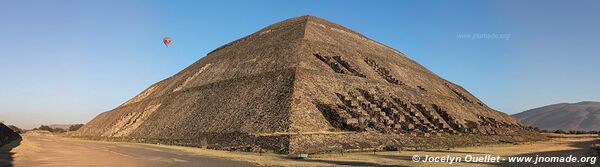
{"points": [[75, 127], [59, 130], [45, 127], [48, 128]]}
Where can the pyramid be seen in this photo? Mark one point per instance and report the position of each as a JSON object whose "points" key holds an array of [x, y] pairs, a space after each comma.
{"points": [[306, 85]]}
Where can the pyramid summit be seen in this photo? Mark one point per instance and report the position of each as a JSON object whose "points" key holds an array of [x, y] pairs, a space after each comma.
{"points": [[306, 85]]}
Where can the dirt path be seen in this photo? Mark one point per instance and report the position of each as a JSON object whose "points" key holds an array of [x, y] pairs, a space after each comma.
{"points": [[49, 150]]}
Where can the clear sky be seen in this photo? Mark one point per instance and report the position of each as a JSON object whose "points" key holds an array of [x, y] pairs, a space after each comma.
{"points": [[67, 61]]}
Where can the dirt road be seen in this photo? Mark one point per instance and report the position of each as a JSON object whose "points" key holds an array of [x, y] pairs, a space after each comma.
{"points": [[49, 150]]}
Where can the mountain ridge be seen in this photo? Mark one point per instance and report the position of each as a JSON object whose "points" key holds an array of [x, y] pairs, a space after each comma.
{"points": [[564, 116]]}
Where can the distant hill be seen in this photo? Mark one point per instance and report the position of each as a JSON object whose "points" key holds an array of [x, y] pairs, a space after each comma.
{"points": [[584, 116]]}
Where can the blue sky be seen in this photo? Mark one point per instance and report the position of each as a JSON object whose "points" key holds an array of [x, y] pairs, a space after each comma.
{"points": [[67, 61]]}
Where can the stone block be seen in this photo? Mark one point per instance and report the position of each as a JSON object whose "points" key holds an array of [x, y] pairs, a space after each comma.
{"points": [[373, 106], [352, 121], [410, 126]]}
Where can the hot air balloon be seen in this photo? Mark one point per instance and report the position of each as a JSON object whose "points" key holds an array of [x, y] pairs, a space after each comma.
{"points": [[167, 41]]}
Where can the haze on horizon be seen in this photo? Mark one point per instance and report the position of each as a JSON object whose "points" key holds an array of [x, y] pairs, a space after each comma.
{"points": [[67, 61]]}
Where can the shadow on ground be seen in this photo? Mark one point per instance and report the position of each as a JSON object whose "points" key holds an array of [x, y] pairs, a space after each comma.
{"points": [[409, 158], [583, 149], [6, 157], [344, 163]]}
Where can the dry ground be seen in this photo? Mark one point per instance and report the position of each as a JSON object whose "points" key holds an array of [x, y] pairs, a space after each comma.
{"points": [[576, 145], [50, 150]]}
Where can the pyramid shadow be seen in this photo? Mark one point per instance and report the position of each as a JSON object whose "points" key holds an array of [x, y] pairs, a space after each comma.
{"points": [[6, 157], [455, 152], [409, 158], [395, 157], [344, 163]]}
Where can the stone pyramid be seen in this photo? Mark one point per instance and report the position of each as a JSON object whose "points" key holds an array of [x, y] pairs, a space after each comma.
{"points": [[306, 85]]}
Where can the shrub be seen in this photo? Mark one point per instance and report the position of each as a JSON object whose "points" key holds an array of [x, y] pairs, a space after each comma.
{"points": [[75, 127], [47, 128], [560, 131]]}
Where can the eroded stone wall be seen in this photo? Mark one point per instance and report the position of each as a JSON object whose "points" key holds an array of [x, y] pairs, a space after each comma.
{"points": [[363, 110]]}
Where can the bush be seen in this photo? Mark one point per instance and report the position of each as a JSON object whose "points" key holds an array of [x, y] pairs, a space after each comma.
{"points": [[560, 131], [47, 128], [59, 130], [75, 127]]}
